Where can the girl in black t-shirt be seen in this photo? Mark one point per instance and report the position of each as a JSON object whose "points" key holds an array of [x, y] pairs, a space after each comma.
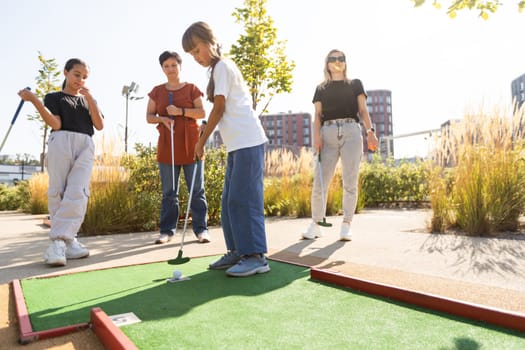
{"points": [[72, 114]]}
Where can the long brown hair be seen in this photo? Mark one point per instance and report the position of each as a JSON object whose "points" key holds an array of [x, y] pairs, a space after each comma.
{"points": [[201, 31]]}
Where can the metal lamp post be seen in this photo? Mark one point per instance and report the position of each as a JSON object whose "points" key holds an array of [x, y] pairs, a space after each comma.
{"points": [[126, 92]]}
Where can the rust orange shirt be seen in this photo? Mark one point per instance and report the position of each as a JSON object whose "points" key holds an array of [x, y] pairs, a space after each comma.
{"points": [[185, 130]]}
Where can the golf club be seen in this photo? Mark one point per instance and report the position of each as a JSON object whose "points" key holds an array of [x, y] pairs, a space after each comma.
{"points": [[13, 121], [174, 230], [170, 94], [322, 223], [179, 259]]}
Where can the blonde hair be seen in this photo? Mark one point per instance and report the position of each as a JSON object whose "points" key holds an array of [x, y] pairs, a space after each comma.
{"points": [[326, 71], [201, 31]]}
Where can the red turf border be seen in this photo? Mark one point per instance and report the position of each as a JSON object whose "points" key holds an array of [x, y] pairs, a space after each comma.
{"points": [[27, 335], [109, 335], [498, 317]]}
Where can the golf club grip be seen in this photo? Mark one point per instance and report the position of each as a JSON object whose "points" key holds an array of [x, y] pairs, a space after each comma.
{"points": [[200, 135], [18, 108]]}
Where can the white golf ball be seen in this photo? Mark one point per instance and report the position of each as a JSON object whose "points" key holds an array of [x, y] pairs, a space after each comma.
{"points": [[177, 274]]}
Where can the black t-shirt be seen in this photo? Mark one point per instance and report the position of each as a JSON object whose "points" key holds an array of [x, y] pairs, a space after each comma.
{"points": [[73, 112], [339, 99]]}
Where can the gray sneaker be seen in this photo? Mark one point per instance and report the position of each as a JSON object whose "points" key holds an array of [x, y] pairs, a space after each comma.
{"points": [[227, 260], [249, 265]]}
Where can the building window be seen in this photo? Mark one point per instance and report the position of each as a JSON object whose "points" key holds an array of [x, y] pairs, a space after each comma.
{"points": [[306, 120]]}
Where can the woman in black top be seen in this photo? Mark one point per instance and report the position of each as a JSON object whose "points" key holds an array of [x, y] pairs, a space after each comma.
{"points": [[339, 103]]}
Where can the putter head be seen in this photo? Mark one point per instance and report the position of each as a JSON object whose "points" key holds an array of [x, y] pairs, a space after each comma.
{"points": [[179, 260], [324, 223]]}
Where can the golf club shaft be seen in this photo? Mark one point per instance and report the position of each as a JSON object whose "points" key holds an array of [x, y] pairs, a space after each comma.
{"points": [[170, 96], [12, 122], [190, 195], [322, 184], [172, 160]]}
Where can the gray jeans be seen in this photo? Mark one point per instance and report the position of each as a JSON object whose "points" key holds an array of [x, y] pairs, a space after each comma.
{"points": [[345, 141], [69, 164]]}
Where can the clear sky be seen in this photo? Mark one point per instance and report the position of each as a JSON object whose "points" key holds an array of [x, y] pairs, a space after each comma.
{"points": [[436, 67]]}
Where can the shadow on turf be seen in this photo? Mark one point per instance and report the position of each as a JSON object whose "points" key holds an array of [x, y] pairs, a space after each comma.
{"points": [[154, 299], [460, 343]]}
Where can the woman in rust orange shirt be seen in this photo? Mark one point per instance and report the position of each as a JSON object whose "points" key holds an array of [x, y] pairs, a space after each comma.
{"points": [[176, 105]]}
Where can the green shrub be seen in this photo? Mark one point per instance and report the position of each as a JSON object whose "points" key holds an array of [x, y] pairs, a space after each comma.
{"points": [[385, 182], [9, 197]]}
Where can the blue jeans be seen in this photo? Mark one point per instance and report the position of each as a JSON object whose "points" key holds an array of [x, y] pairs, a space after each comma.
{"points": [[242, 212], [169, 211]]}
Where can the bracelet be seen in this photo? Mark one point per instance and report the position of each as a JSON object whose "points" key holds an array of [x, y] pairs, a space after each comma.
{"points": [[370, 130], [183, 111]]}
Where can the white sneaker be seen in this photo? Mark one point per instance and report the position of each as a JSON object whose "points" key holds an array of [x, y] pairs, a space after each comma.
{"points": [[313, 231], [204, 237], [55, 254], [76, 250], [163, 238], [345, 234]]}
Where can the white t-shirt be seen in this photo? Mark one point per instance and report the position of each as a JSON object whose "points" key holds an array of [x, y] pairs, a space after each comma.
{"points": [[239, 126]]}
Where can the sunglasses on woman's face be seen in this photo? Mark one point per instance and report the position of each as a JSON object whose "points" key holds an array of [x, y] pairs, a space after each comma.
{"points": [[332, 59]]}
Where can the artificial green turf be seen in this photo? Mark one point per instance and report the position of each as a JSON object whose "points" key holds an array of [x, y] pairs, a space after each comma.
{"points": [[282, 309]]}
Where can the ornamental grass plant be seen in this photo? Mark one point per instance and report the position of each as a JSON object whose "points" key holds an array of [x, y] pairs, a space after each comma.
{"points": [[37, 199], [487, 193]]}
